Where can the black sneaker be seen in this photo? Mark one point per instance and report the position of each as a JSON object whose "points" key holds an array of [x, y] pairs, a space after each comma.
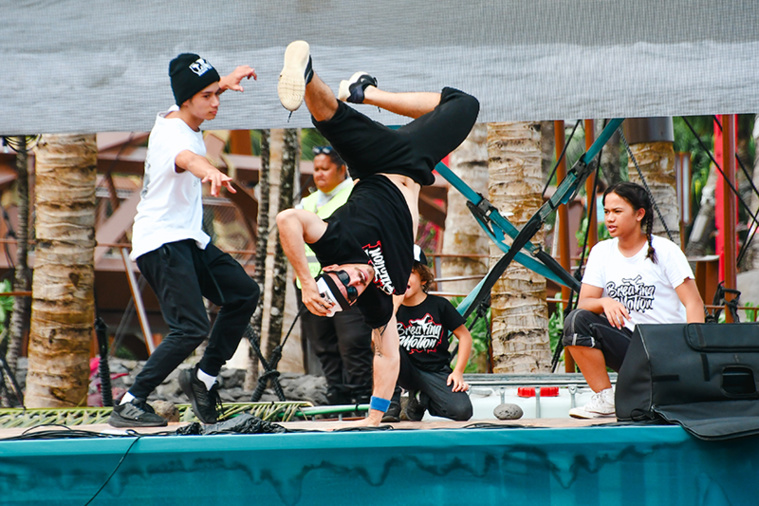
{"points": [[415, 409], [204, 402], [393, 413], [136, 413], [295, 75], [352, 90]]}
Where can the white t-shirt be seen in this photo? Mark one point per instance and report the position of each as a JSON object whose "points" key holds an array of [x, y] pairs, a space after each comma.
{"points": [[171, 203], [646, 289]]}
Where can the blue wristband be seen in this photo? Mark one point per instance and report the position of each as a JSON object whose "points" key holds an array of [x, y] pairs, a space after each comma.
{"points": [[379, 404]]}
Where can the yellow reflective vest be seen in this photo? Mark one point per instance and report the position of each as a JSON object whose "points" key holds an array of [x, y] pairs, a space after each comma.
{"points": [[326, 210]]}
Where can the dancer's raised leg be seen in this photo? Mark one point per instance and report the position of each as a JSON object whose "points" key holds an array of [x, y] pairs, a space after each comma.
{"points": [[298, 82], [361, 88]]}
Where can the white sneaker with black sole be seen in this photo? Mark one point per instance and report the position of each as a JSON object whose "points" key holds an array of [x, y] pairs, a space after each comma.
{"points": [[352, 90], [601, 405], [296, 73]]}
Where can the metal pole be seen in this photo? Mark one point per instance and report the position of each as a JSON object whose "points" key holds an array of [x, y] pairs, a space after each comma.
{"points": [[563, 217], [729, 208], [590, 137], [142, 315]]}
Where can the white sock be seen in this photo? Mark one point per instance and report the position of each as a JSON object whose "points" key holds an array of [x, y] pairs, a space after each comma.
{"points": [[607, 394], [127, 398], [206, 378]]}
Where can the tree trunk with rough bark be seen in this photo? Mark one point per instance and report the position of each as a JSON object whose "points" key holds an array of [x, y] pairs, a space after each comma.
{"points": [[518, 300], [462, 235], [63, 310], [22, 279], [290, 158], [262, 242], [656, 161], [611, 168]]}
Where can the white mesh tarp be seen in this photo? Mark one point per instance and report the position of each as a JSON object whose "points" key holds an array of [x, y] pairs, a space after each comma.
{"points": [[82, 66]]}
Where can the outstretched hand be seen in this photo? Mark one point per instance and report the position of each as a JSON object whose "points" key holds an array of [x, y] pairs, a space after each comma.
{"points": [[233, 79], [218, 180]]}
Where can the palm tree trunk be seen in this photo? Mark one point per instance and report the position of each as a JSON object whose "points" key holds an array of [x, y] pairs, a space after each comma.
{"points": [[19, 321], [652, 153], [610, 160], [276, 147], [63, 305], [656, 161], [462, 236], [262, 241], [518, 300], [290, 159]]}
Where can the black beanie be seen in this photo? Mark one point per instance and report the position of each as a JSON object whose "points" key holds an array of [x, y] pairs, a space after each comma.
{"points": [[189, 74]]}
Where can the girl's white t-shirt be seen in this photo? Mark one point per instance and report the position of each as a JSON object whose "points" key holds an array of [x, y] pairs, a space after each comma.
{"points": [[171, 203], [645, 288]]}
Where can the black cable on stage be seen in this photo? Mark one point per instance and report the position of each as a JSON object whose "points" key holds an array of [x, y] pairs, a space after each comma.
{"points": [[121, 461]]}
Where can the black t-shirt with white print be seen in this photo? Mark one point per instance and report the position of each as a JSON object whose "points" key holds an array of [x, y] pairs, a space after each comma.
{"points": [[373, 226], [423, 332]]}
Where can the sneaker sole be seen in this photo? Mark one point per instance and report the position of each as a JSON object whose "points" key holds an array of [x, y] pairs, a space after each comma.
{"points": [[116, 421], [581, 414], [344, 92], [291, 87]]}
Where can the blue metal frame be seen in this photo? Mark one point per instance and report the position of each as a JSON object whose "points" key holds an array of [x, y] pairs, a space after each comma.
{"points": [[496, 226]]}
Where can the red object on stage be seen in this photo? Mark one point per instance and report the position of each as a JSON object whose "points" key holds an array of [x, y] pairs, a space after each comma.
{"points": [[526, 391]]}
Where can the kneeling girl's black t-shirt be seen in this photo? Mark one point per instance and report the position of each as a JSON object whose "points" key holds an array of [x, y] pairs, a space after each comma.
{"points": [[374, 226], [423, 332]]}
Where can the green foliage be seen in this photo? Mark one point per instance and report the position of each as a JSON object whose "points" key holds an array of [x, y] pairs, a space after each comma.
{"points": [[480, 339], [751, 314], [685, 141], [309, 139], [580, 234], [6, 302]]}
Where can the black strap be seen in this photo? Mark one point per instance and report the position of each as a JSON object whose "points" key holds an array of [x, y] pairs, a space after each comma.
{"points": [[270, 366]]}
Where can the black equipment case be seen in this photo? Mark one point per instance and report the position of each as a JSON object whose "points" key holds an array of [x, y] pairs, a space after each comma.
{"points": [[702, 376]]}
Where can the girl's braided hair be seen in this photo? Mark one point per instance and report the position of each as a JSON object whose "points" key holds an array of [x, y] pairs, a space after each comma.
{"points": [[638, 198]]}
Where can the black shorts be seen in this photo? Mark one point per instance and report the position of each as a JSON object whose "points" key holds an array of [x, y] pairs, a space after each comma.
{"points": [[585, 328], [413, 150]]}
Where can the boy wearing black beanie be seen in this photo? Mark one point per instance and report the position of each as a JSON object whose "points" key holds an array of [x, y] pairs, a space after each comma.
{"points": [[177, 258]]}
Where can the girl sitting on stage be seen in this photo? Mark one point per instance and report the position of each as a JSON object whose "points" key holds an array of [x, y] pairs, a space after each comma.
{"points": [[634, 277]]}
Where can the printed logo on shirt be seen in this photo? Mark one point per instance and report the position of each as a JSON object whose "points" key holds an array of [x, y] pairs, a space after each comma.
{"points": [[381, 276], [421, 335], [633, 293], [200, 66]]}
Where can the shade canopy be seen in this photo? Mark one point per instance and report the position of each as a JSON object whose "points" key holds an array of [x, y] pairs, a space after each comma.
{"points": [[70, 66]]}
